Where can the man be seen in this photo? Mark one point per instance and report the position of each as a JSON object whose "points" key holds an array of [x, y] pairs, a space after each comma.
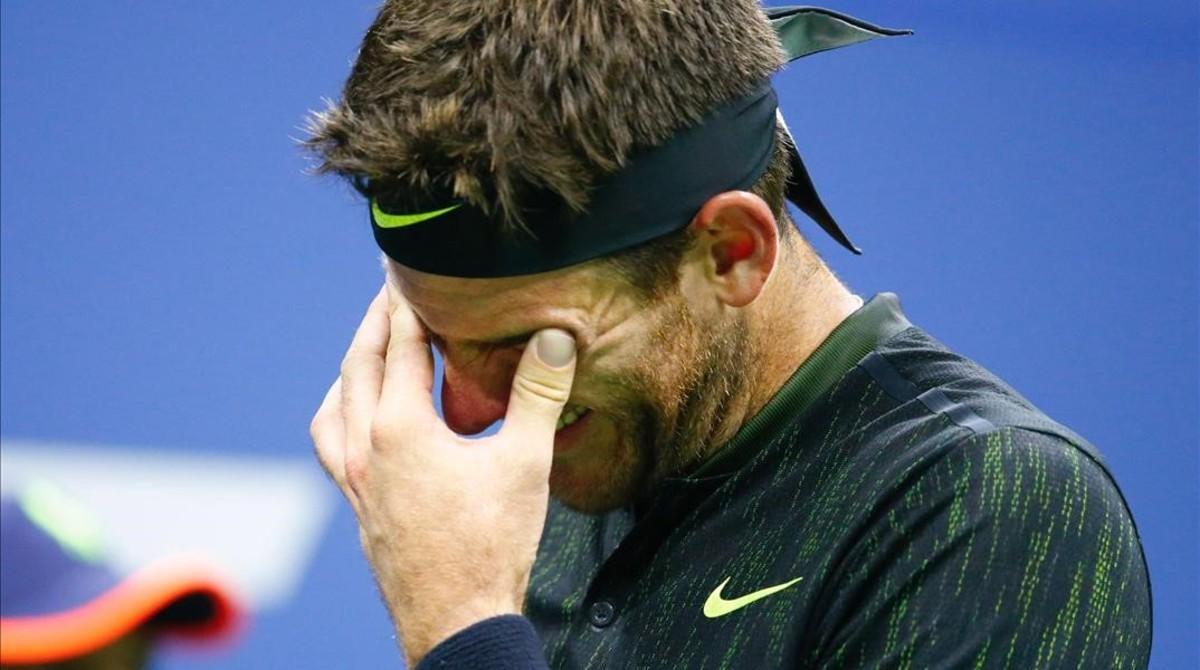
{"points": [[582, 208], [62, 607]]}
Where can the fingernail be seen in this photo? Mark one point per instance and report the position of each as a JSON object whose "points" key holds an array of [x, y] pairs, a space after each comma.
{"points": [[555, 347]]}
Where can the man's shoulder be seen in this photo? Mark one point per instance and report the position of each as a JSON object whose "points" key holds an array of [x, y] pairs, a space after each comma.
{"points": [[939, 420], [913, 411], [930, 388]]}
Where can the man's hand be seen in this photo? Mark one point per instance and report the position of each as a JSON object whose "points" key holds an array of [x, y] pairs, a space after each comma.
{"points": [[449, 525]]}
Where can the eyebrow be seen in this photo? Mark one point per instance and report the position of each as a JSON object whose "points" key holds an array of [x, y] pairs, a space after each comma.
{"points": [[504, 341]]}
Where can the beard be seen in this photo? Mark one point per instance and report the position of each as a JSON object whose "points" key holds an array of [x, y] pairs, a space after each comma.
{"points": [[706, 369], [671, 407]]}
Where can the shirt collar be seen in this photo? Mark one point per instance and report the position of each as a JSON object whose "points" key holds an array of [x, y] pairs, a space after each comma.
{"points": [[855, 337]]}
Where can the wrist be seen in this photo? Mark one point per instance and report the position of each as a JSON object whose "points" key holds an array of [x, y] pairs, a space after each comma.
{"points": [[501, 642], [421, 632]]}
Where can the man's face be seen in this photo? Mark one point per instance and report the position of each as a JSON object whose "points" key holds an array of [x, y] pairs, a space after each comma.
{"points": [[652, 378]]}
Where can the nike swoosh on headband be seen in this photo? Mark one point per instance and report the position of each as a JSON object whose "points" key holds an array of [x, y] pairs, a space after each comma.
{"points": [[385, 220], [656, 193]]}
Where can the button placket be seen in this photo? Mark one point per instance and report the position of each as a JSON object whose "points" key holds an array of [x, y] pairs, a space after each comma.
{"points": [[602, 613]]}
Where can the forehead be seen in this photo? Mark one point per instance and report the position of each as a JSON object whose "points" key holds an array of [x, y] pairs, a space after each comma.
{"points": [[497, 308]]}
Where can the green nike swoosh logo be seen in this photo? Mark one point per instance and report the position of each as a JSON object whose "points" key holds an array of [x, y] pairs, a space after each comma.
{"points": [[385, 220], [716, 605]]}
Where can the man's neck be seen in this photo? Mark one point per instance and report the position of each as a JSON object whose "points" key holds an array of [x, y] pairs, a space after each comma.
{"points": [[798, 309], [793, 324]]}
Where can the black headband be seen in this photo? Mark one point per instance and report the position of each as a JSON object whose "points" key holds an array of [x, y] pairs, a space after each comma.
{"points": [[657, 193]]}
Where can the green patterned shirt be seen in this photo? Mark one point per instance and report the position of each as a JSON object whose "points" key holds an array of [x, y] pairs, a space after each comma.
{"points": [[893, 506]]}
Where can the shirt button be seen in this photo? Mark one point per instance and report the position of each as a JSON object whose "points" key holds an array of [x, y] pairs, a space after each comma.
{"points": [[602, 614]]}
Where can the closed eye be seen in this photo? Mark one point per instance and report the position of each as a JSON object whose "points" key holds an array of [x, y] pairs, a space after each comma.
{"points": [[478, 353], [485, 346], [517, 341]]}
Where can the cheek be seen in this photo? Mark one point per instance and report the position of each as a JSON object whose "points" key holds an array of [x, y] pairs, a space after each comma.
{"points": [[618, 355], [637, 364], [601, 476], [609, 385]]}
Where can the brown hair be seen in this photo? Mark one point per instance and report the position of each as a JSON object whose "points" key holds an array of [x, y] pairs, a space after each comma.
{"points": [[497, 100]]}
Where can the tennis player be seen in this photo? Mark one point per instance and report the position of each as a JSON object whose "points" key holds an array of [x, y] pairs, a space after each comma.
{"points": [[714, 453]]}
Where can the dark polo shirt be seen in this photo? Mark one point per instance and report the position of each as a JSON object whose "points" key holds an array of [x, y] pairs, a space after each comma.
{"points": [[893, 506]]}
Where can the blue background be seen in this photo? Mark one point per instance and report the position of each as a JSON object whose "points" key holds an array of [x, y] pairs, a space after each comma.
{"points": [[1024, 174]]}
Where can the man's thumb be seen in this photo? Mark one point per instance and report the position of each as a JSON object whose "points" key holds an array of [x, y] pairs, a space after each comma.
{"points": [[541, 385]]}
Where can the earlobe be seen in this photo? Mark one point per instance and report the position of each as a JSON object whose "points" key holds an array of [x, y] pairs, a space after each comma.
{"points": [[739, 240]]}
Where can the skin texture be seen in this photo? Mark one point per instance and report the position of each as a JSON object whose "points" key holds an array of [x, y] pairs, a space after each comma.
{"points": [[642, 395], [450, 525]]}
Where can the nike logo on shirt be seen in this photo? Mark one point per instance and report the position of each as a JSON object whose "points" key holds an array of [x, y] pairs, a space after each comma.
{"points": [[717, 605]]}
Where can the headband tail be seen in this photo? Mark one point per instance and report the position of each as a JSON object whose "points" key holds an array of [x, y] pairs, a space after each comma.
{"points": [[803, 194], [804, 31]]}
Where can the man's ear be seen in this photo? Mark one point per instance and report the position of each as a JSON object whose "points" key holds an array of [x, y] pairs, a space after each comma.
{"points": [[736, 242]]}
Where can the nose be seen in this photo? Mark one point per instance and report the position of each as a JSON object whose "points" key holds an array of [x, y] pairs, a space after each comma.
{"points": [[474, 398]]}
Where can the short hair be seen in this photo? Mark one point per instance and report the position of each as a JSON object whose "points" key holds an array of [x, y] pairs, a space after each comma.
{"points": [[500, 100]]}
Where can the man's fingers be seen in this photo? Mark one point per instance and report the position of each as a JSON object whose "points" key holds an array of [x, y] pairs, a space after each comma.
{"points": [[362, 372], [408, 377], [328, 432], [540, 388]]}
